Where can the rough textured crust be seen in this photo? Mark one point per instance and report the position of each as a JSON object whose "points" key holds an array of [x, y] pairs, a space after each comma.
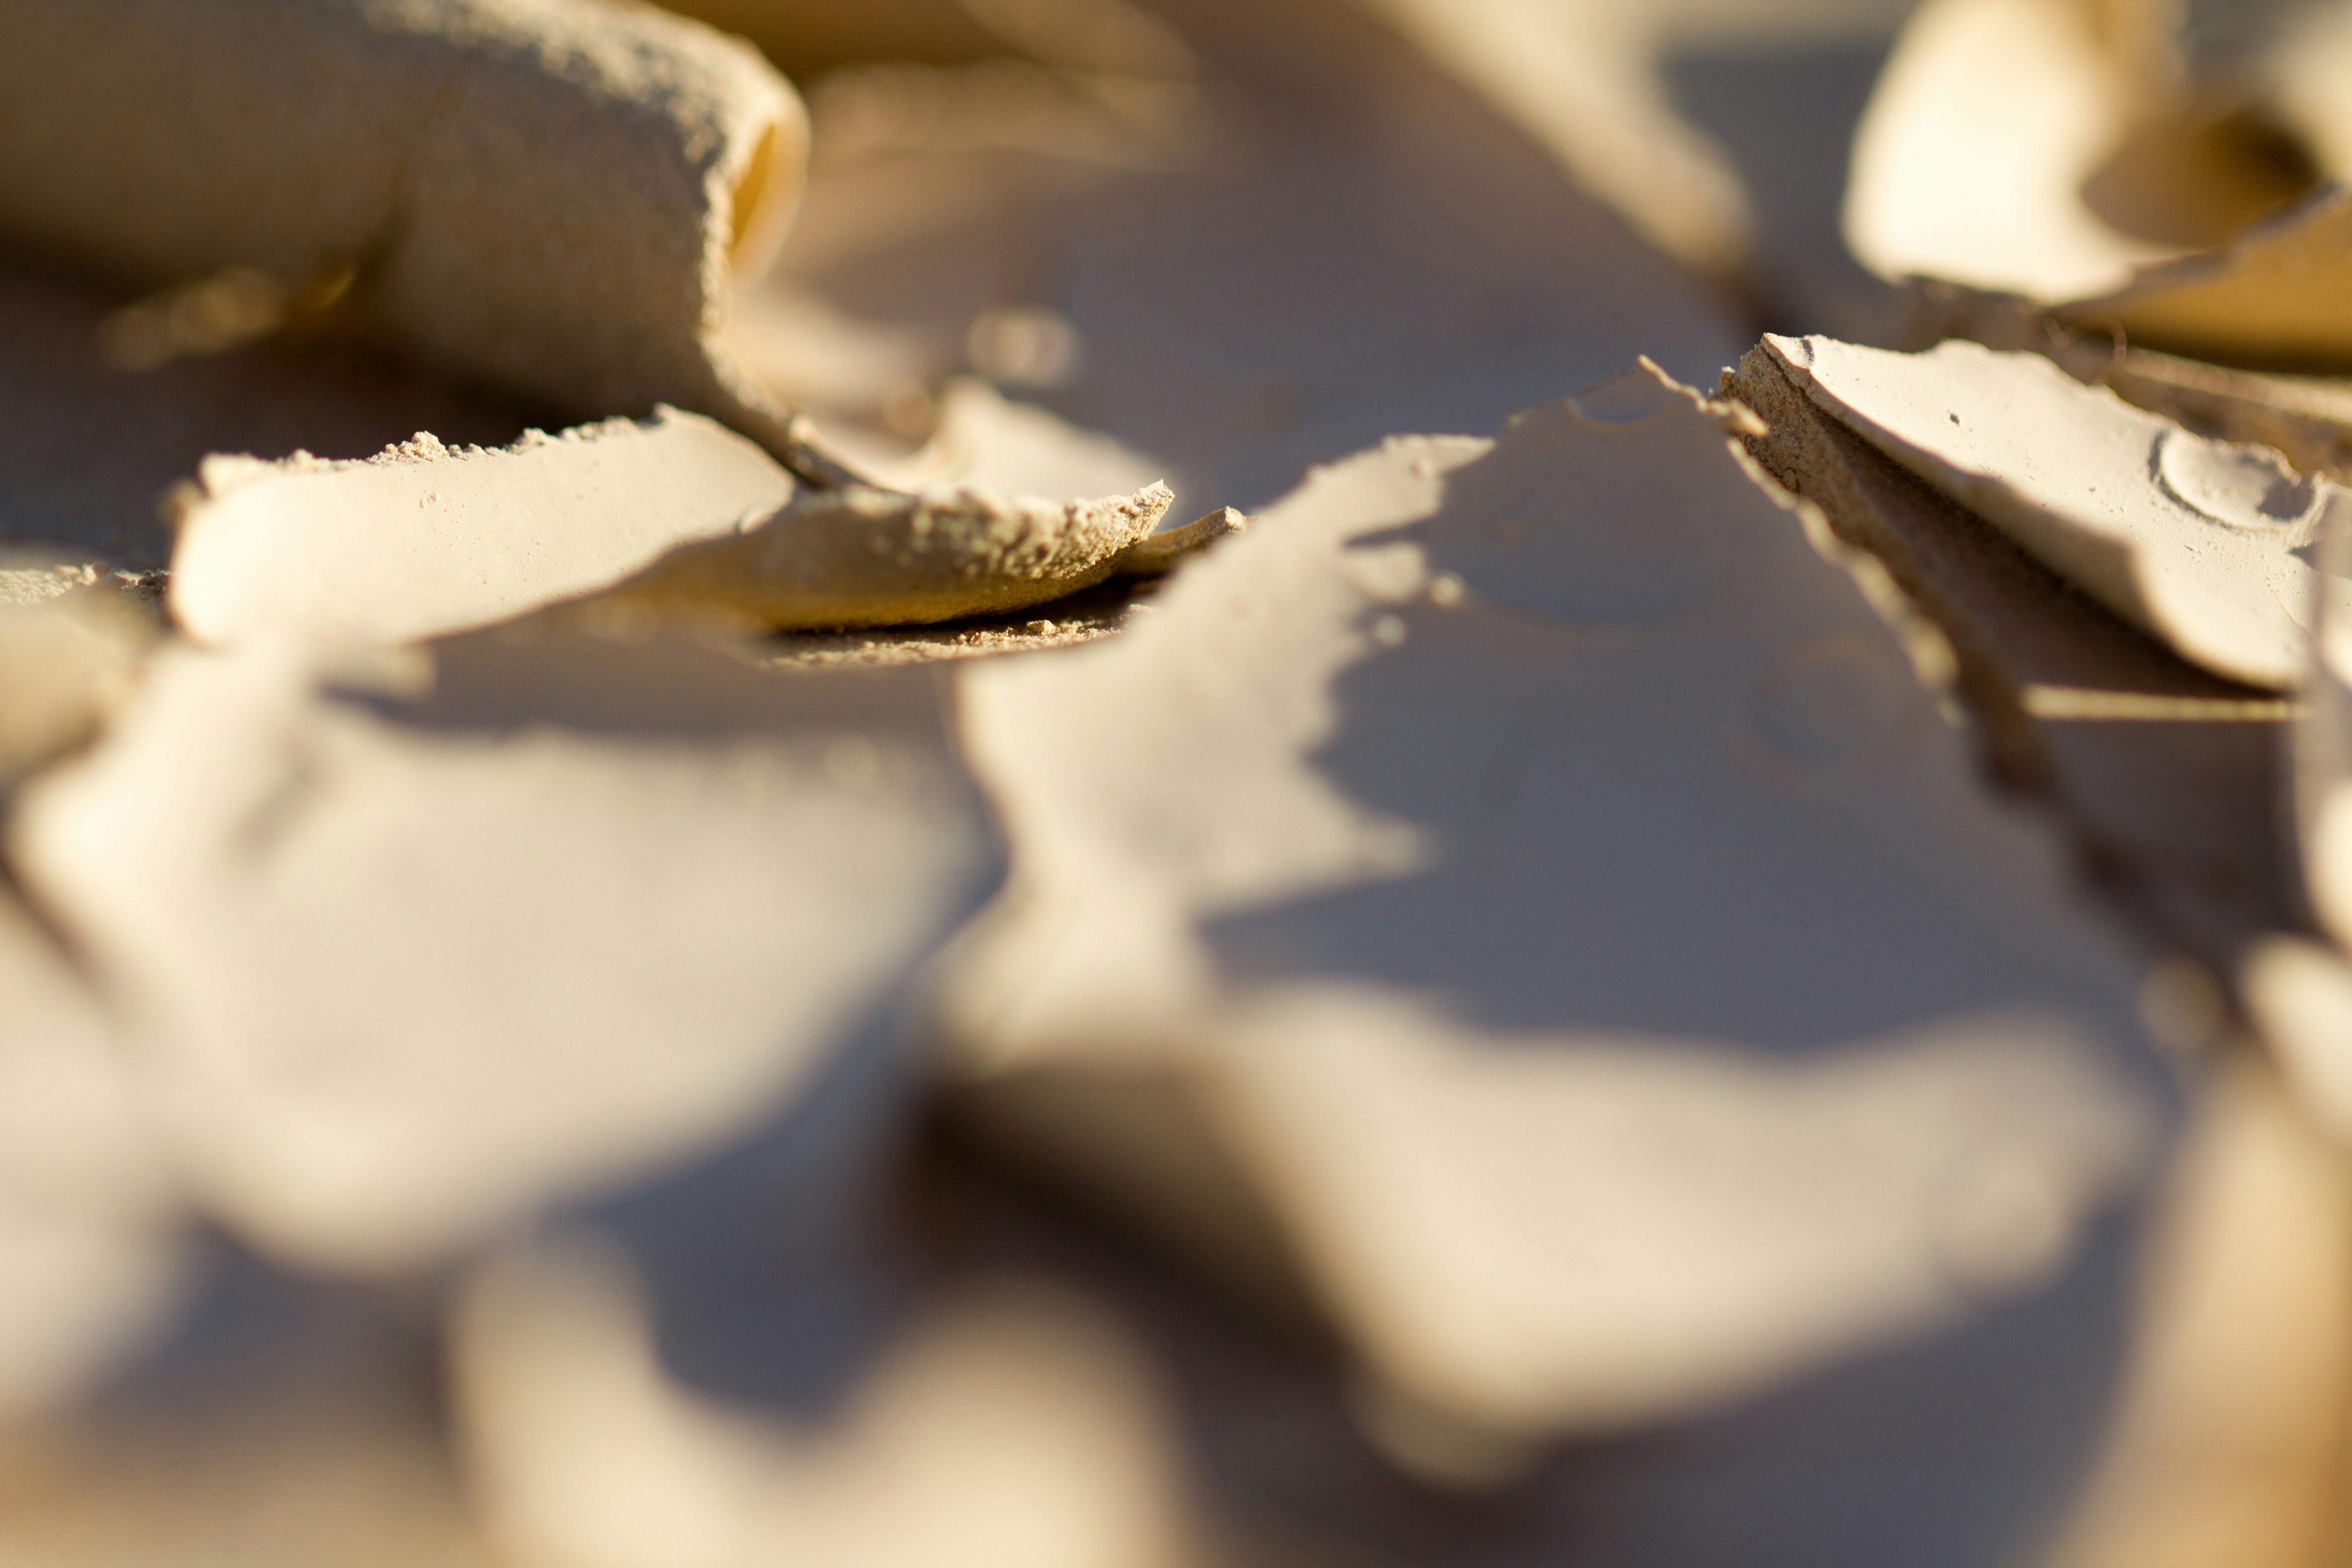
{"points": [[863, 557], [544, 194]]}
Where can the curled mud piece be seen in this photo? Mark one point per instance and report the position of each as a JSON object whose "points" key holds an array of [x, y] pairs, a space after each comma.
{"points": [[2281, 292], [1971, 161], [1586, 84], [2051, 148], [2201, 543], [2167, 776], [398, 970], [422, 540], [864, 557], [549, 195], [1156, 554]]}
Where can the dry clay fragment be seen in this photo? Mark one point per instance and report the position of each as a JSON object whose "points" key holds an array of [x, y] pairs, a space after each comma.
{"points": [[547, 194], [2201, 543], [89, 1258], [400, 973], [1575, 739], [2168, 777], [422, 542], [2323, 752], [1013, 1427], [2281, 291], [65, 662], [2228, 1444], [862, 557], [1987, 123]]}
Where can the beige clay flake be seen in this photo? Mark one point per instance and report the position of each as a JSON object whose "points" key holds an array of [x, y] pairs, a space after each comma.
{"points": [[1488, 790], [2201, 543]]}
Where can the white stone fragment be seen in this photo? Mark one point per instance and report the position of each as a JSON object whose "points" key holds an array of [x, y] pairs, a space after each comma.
{"points": [[2203, 545]]}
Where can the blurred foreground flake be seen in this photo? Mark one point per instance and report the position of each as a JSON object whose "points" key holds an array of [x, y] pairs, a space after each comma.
{"points": [[90, 1261], [546, 193], [2204, 544], [1486, 789], [2300, 995], [1014, 1427], [400, 972], [421, 541], [2229, 1445], [67, 657]]}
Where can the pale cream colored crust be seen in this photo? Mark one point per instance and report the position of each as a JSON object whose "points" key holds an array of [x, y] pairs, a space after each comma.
{"points": [[2168, 775], [859, 557], [543, 193], [422, 540], [572, 911], [1492, 722], [2201, 543]]}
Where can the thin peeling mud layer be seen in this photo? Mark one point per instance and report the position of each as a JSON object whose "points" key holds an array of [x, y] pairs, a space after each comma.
{"points": [[423, 540], [2201, 543], [1987, 123], [550, 196], [2166, 775], [861, 557]]}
